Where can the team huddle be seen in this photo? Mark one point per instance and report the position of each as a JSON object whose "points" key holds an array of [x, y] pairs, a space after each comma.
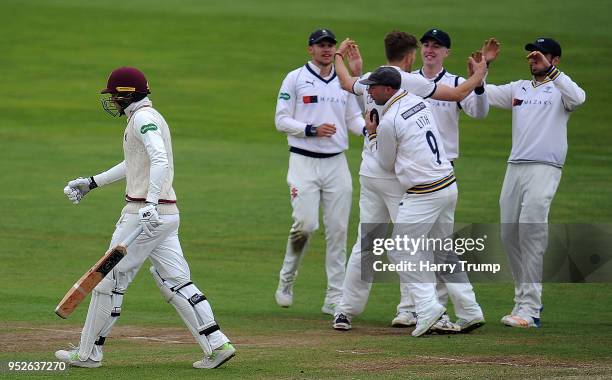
{"points": [[408, 121]]}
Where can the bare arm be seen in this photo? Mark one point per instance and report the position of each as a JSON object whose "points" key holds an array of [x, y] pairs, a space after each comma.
{"points": [[355, 63], [477, 68], [457, 94], [476, 104], [345, 78]]}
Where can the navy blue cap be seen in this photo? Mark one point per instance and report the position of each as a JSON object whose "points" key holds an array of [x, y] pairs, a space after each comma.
{"points": [[546, 46], [384, 76], [437, 35], [320, 35]]}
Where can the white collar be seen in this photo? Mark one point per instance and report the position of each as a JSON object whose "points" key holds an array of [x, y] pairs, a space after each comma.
{"points": [[397, 96], [129, 111], [436, 77], [317, 70]]}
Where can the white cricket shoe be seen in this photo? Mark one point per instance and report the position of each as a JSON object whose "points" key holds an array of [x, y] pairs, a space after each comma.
{"points": [[284, 295], [445, 326], [71, 357], [404, 319], [218, 357], [328, 308], [426, 320], [467, 326], [342, 322], [520, 321]]}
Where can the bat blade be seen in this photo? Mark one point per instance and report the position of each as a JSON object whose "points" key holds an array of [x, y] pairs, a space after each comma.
{"points": [[81, 289]]}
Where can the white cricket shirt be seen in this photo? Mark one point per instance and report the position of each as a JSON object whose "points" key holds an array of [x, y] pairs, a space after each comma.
{"points": [[306, 98], [540, 112], [447, 113], [412, 83], [409, 143]]}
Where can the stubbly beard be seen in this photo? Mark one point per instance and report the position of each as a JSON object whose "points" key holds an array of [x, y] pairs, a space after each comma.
{"points": [[380, 102], [537, 73], [323, 62]]}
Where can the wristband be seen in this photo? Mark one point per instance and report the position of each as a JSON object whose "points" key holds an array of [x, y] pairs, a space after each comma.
{"points": [[92, 183], [340, 54], [479, 90], [552, 72], [310, 130]]}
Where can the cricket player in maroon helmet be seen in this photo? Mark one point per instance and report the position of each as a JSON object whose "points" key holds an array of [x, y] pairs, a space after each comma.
{"points": [[150, 202]]}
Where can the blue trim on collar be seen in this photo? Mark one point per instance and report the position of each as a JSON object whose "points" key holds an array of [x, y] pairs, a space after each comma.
{"points": [[318, 76], [440, 76]]}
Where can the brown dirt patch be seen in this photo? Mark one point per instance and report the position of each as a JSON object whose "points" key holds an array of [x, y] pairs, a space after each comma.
{"points": [[26, 337], [23, 337]]}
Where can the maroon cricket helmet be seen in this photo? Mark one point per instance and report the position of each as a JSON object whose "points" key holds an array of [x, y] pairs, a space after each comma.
{"points": [[126, 79]]}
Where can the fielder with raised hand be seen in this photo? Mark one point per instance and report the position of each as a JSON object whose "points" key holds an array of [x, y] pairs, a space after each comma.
{"points": [[407, 142], [435, 49], [381, 191], [316, 115], [150, 201], [414, 83], [541, 108]]}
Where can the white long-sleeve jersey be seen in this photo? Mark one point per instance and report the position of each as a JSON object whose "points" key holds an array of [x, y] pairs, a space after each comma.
{"points": [[415, 84], [148, 166], [307, 99], [408, 142], [447, 113], [540, 112]]}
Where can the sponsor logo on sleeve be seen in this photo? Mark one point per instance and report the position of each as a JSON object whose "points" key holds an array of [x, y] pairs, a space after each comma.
{"points": [[284, 96], [419, 107], [148, 127]]}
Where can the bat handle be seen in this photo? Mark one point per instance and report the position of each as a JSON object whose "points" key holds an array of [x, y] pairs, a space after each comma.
{"points": [[131, 237]]}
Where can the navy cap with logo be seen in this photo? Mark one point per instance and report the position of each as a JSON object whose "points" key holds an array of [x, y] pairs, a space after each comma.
{"points": [[546, 46], [384, 76], [320, 35], [437, 35]]}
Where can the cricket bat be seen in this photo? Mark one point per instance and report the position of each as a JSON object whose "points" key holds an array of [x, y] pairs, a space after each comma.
{"points": [[93, 276]]}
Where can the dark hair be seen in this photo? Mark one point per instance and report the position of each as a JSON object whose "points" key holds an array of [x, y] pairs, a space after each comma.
{"points": [[398, 44]]}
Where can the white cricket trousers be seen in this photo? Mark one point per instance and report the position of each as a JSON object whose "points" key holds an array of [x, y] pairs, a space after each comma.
{"points": [[525, 199], [423, 215], [164, 251], [379, 200], [378, 203], [315, 181]]}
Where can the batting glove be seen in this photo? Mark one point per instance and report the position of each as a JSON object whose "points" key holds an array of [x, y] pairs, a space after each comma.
{"points": [[78, 188], [149, 218]]}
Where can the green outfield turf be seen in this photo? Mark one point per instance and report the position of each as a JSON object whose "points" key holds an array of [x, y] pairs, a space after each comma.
{"points": [[214, 69]]}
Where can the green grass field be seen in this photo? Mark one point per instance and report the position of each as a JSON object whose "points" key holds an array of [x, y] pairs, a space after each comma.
{"points": [[214, 70]]}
